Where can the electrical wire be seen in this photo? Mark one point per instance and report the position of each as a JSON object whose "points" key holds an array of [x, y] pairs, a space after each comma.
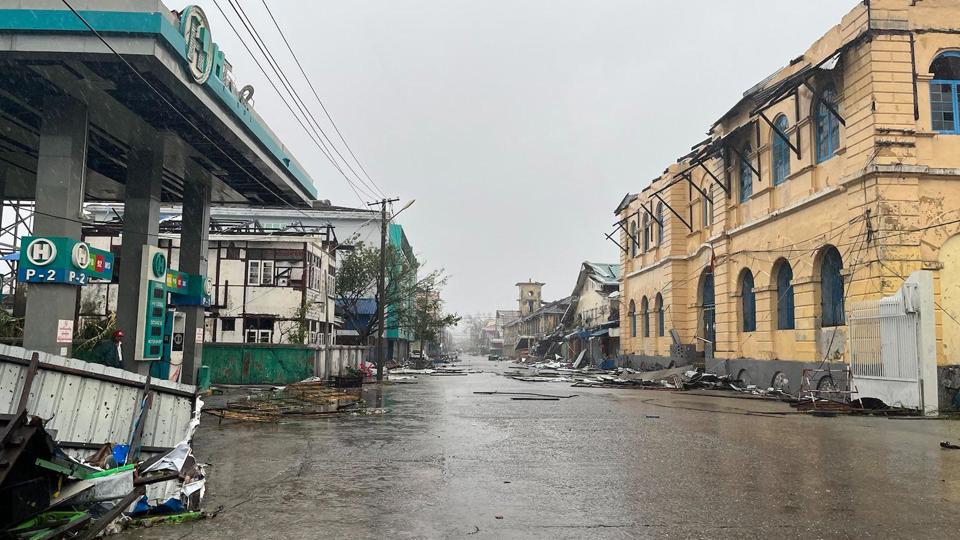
{"points": [[298, 101], [317, 96], [286, 103]]}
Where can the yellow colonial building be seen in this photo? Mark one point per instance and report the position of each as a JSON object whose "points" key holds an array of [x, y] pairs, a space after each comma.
{"points": [[827, 184]]}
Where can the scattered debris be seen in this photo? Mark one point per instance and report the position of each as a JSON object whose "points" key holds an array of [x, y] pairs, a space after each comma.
{"points": [[306, 399], [535, 399], [495, 393], [949, 446], [58, 488]]}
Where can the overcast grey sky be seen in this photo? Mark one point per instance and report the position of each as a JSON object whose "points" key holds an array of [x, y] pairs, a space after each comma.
{"points": [[517, 125]]}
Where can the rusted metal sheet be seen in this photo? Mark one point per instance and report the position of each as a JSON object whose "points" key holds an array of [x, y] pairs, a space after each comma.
{"points": [[91, 403]]}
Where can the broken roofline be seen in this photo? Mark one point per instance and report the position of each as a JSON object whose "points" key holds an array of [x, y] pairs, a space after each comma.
{"points": [[772, 89]]}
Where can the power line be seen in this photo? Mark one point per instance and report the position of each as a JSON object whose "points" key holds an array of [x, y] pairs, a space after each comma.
{"points": [[316, 95], [290, 108], [291, 90]]}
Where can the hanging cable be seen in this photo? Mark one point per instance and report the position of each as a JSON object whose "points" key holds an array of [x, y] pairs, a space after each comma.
{"points": [[295, 96], [318, 143], [316, 94]]}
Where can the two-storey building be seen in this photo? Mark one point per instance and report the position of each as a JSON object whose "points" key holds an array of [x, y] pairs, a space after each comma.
{"points": [[828, 183]]}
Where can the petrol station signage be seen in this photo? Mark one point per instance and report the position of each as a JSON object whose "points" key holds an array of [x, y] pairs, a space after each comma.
{"points": [[59, 259], [153, 304], [189, 289]]}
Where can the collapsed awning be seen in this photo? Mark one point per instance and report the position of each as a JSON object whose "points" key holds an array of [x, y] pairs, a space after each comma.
{"points": [[599, 333]]}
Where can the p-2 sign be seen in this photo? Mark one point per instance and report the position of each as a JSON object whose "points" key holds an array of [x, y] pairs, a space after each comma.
{"points": [[58, 259]]}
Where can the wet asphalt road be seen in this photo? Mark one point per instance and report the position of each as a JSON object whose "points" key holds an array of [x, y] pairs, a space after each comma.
{"points": [[609, 463]]}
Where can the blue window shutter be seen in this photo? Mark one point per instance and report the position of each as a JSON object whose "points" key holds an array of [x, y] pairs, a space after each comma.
{"points": [[746, 176], [749, 302], [831, 288], [827, 126], [781, 152], [785, 306], [660, 316], [644, 311]]}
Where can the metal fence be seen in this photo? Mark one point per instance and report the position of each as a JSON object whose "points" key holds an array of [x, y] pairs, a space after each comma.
{"points": [[86, 405], [884, 338]]}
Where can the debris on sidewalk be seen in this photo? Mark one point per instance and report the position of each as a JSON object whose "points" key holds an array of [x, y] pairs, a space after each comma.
{"points": [[310, 398], [58, 481]]}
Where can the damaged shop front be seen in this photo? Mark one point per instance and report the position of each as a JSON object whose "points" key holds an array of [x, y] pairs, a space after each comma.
{"points": [[88, 448]]}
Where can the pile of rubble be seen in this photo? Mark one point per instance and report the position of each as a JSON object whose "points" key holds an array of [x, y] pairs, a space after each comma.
{"points": [[678, 378], [310, 398], [52, 492]]}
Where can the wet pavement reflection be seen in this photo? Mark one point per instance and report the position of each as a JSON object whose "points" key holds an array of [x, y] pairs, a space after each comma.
{"points": [[444, 462]]}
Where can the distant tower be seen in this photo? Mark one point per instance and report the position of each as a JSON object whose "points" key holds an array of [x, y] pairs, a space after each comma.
{"points": [[530, 299]]}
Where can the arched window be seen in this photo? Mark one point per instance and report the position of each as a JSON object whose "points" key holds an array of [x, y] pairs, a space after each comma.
{"points": [[780, 153], [633, 319], [645, 314], [943, 92], [661, 323], [831, 288], [748, 301], [646, 232], [660, 226], [633, 239], [785, 309], [827, 125], [746, 175]]}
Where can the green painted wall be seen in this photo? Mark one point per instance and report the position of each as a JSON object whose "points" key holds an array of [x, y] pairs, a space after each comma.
{"points": [[240, 363]]}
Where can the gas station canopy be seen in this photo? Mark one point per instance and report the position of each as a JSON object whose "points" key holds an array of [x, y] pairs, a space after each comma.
{"points": [[47, 50]]}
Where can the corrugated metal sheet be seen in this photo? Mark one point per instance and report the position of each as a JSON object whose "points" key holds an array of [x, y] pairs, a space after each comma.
{"points": [[80, 408]]}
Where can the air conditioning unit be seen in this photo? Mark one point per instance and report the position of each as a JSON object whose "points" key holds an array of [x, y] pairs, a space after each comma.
{"points": [[282, 282]]}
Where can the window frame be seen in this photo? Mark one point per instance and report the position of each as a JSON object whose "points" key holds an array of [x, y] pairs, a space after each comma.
{"points": [[250, 266], [660, 225], [645, 312], [748, 302], [633, 318], [633, 238], [832, 297], [829, 124], [661, 319], [953, 83], [779, 151], [745, 176], [646, 233], [956, 106], [786, 304]]}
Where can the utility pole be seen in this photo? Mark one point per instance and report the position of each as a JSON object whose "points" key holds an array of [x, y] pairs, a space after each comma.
{"points": [[382, 285]]}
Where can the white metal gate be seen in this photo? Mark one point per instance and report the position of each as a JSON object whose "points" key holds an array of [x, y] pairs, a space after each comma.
{"points": [[891, 342]]}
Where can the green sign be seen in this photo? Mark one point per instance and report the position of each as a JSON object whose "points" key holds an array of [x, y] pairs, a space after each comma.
{"points": [[153, 318], [59, 259], [189, 289]]}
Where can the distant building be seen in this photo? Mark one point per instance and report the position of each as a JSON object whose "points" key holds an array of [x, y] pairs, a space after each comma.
{"points": [[593, 322], [538, 330]]}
